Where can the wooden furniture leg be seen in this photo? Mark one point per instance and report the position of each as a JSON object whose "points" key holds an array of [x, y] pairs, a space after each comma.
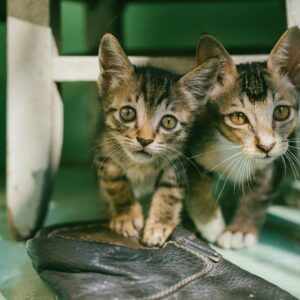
{"points": [[34, 115]]}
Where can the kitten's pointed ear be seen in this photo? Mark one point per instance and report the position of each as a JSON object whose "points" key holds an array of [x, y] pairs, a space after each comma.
{"points": [[284, 60], [115, 66], [210, 47], [198, 83]]}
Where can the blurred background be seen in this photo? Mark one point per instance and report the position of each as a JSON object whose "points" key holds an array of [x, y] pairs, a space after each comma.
{"points": [[146, 28]]}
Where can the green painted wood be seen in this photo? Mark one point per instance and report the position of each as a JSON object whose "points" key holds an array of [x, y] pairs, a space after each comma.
{"points": [[73, 27], [172, 27]]}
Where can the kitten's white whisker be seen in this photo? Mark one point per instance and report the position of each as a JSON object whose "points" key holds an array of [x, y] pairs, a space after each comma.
{"points": [[291, 164], [295, 159], [248, 174], [223, 173], [173, 168], [284, 164], [216, 150], [293, 141], [184, 173], [250, 170], [243, 171], [172, 159], [225, 160], [107, 142], [235, 181], [185, 157], [116, 150], [238, 174], [239, 159], [294, 147]]}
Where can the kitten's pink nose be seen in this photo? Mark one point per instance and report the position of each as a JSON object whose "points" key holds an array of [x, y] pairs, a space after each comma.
{"points": [[266, 148], [144, 142]]}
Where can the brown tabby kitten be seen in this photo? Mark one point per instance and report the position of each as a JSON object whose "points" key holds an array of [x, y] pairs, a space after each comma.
{"points": [[147, 115], [244, 132]]}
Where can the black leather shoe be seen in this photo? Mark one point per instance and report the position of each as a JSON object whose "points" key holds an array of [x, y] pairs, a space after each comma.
{"points": [[88, 261]]}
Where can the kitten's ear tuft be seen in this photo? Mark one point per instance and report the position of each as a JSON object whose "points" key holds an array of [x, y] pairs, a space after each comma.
{"points": [[198, 83], [210, 47], [284, 60], [115, 66]]}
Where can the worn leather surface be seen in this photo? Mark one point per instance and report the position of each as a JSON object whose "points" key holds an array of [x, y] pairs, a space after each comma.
{"points": [[87, 261]]}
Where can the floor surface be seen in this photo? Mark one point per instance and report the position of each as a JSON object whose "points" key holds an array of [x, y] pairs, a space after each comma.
{"points": [[276, 257]]}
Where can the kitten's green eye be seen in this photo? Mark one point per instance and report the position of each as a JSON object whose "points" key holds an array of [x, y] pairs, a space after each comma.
{"points": [[281, 113], [127, 114], [238, 118], [168, 122]]}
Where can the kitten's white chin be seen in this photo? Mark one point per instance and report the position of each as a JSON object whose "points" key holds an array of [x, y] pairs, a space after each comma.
{"points": [[140, 157], [265, 160]]}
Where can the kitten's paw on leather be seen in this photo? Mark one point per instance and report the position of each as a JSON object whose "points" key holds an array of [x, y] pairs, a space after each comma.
{"points": [[237, 239], [129, 224], [156, 234]]}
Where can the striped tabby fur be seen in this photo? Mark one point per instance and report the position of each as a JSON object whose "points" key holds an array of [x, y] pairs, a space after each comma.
{"points": [[245, 132], [147, 114]]}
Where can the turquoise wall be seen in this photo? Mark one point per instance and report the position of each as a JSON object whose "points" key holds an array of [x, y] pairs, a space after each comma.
{"points": [[166, 28]]}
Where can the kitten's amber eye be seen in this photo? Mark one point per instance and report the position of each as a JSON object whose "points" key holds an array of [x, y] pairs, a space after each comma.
{"points": [[127, 114], [168, 122], [238, 118], [281, 113]]}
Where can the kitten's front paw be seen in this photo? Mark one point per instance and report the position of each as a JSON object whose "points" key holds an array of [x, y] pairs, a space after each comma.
{"points": [[235, 239], [155, 234], [212, 229], [129, 224]]}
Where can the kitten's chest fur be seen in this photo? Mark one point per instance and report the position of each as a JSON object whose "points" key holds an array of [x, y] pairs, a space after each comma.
{"points": [[142, 178]]}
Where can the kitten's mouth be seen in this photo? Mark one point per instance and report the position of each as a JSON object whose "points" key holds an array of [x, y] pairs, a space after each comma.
{"points": [[141, 156], [143, 152], [266, 158]]}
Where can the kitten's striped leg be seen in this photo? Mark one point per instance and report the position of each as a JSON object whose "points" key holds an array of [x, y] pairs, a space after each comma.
{"points": [[164, 215], [165, 210], [126, 213], [243, 231], [202, 207]]}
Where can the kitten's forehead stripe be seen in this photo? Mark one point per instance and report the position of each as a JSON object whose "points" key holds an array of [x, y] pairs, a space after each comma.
{"points": [[253, 80], [155, 84]]}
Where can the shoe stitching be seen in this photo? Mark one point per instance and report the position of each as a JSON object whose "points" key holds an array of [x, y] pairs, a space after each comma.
{"points": [[63, 229], [170, 290], [184, 281], [192, 237], [81, 238], [180, 239]]}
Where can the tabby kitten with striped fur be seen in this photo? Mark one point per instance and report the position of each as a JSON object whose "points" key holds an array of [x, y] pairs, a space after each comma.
{"points": [[245, 132], [147, 113]]}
